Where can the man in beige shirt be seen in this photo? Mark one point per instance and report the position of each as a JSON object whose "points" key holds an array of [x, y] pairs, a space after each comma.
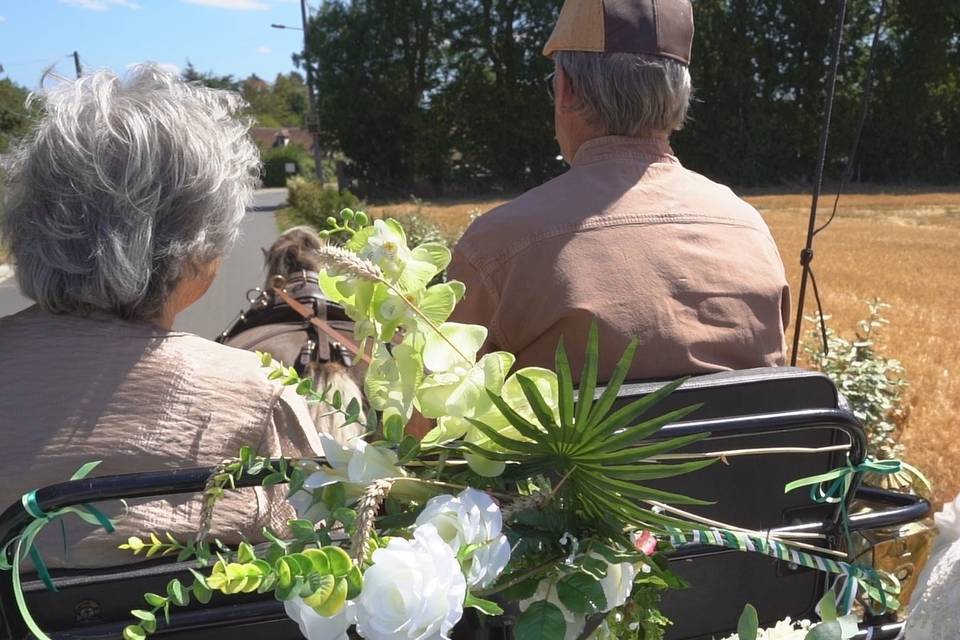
{"points": [[627, 237]]}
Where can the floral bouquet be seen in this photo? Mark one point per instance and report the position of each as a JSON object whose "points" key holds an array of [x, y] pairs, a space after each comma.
{"points": [[528, 500]]}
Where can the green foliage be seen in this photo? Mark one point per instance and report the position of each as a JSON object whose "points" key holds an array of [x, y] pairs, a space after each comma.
{"points": [[581, 593], [421, 228], [275, 163], [414, 92], [15, 117], [439, 94], [541, 620], [749, 623], [209, 78], [313, 204], [280, 104], [871, 382], [600, 455]]}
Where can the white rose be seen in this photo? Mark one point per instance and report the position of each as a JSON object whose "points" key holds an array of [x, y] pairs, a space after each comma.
{"points": [[472, 518], [618, 583], [313, 626], [355, 465], [414, 589]]}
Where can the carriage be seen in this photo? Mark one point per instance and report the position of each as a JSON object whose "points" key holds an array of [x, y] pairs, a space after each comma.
{"points": [[799, 413]]}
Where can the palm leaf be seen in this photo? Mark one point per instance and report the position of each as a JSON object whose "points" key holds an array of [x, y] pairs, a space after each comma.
{"points": [[540, 407], [650, 471], [565, 391], [646, 493], [609, 396], [494, 456], [518, 446], [526, 428], [588, 380], [624, 416], [636, 454], [633, 435]]}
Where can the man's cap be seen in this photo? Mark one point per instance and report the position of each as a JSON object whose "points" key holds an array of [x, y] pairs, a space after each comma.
{"points": [[654, 27]]}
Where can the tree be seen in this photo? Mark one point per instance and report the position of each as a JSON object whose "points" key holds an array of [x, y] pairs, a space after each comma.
{"points": [[281, 104], [209, 78], [15, 117], [379, 67]]}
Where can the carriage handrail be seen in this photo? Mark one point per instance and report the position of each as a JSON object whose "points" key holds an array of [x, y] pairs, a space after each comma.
{"points": [[146, 484], [192, 480]]}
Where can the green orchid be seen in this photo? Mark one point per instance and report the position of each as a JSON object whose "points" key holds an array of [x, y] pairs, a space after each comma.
{"points": [[391, 384]]}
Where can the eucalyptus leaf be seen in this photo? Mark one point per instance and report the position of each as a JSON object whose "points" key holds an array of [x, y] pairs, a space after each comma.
{"points": [[826, 631], [749, 623]]}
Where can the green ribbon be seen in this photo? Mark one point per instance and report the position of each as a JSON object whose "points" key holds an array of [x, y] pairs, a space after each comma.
{"points": [[833, 487], [23, 544]]}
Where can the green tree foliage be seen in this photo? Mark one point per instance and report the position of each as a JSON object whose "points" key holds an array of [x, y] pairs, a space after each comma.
{"points": [[15, 118], [438, 95], [209, 78], [449, 91], [281, 104]]}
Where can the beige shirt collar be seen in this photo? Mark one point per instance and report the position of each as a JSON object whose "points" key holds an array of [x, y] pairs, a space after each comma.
{"points": [[648, 148]]}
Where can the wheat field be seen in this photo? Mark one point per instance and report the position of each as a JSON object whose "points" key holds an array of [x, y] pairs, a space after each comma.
{"points": [[903, 248]]}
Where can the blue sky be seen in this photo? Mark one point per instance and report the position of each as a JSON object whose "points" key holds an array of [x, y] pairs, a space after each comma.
{"points": [[226, 36]]}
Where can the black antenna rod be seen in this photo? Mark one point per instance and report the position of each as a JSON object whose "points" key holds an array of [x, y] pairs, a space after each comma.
{"points": [[806, 256]]}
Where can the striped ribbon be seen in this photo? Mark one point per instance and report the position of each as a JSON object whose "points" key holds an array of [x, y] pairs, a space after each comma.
{"points": [[879, 586]]}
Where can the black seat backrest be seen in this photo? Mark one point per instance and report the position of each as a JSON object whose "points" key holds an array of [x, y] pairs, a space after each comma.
{"points": [[750, 409], [759, 408]]}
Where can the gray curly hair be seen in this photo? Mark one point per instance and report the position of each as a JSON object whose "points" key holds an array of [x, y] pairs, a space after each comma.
{"points": [[122, 187]]}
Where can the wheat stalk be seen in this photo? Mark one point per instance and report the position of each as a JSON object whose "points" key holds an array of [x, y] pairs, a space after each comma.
{"points": [[367, 509], [348, 263]]}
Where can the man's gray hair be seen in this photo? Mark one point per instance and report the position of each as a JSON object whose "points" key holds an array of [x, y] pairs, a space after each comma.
{"points": [[628, 94], [122, 187]]}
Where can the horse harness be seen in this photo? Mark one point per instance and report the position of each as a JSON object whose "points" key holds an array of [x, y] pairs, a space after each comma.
{"points": [[294, 310]]}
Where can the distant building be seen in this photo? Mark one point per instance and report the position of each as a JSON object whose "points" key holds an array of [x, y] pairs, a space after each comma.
{"points": [[272, 137]]}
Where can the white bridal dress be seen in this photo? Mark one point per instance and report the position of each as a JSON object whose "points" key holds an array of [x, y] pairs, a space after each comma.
{"points": [[935, 605]]}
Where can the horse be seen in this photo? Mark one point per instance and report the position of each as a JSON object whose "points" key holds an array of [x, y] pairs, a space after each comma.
{"points": [[290, 319]]}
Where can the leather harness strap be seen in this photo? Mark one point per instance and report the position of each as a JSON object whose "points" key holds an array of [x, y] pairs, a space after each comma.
{"points": [[320, 323]]}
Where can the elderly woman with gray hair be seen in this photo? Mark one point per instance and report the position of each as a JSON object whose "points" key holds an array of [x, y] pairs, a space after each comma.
{"points": [[120, 205]]}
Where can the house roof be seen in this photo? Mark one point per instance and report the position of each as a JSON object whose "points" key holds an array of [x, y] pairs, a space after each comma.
{"points": [[265, 136]]}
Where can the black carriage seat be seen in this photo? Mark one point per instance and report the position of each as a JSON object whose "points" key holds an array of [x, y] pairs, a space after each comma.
{"points": [[772, 407], [747, 409]]}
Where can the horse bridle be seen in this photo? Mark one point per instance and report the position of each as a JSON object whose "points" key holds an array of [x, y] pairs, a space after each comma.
{"points": [[292, 298]]}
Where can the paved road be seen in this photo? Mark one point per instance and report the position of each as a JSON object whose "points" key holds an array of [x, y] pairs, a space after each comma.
{"points": [[242, 270]]}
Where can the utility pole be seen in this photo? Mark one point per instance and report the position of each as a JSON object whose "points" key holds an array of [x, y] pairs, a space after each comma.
{"points": [[76, 64], [313, 114]]}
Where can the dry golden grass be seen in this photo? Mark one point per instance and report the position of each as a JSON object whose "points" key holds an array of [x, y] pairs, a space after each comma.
{"points": [[902, 248]]}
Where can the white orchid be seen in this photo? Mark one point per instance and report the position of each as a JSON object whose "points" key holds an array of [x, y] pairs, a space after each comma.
{"points": [[471, 518], [355, 465], [414, 589]]}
